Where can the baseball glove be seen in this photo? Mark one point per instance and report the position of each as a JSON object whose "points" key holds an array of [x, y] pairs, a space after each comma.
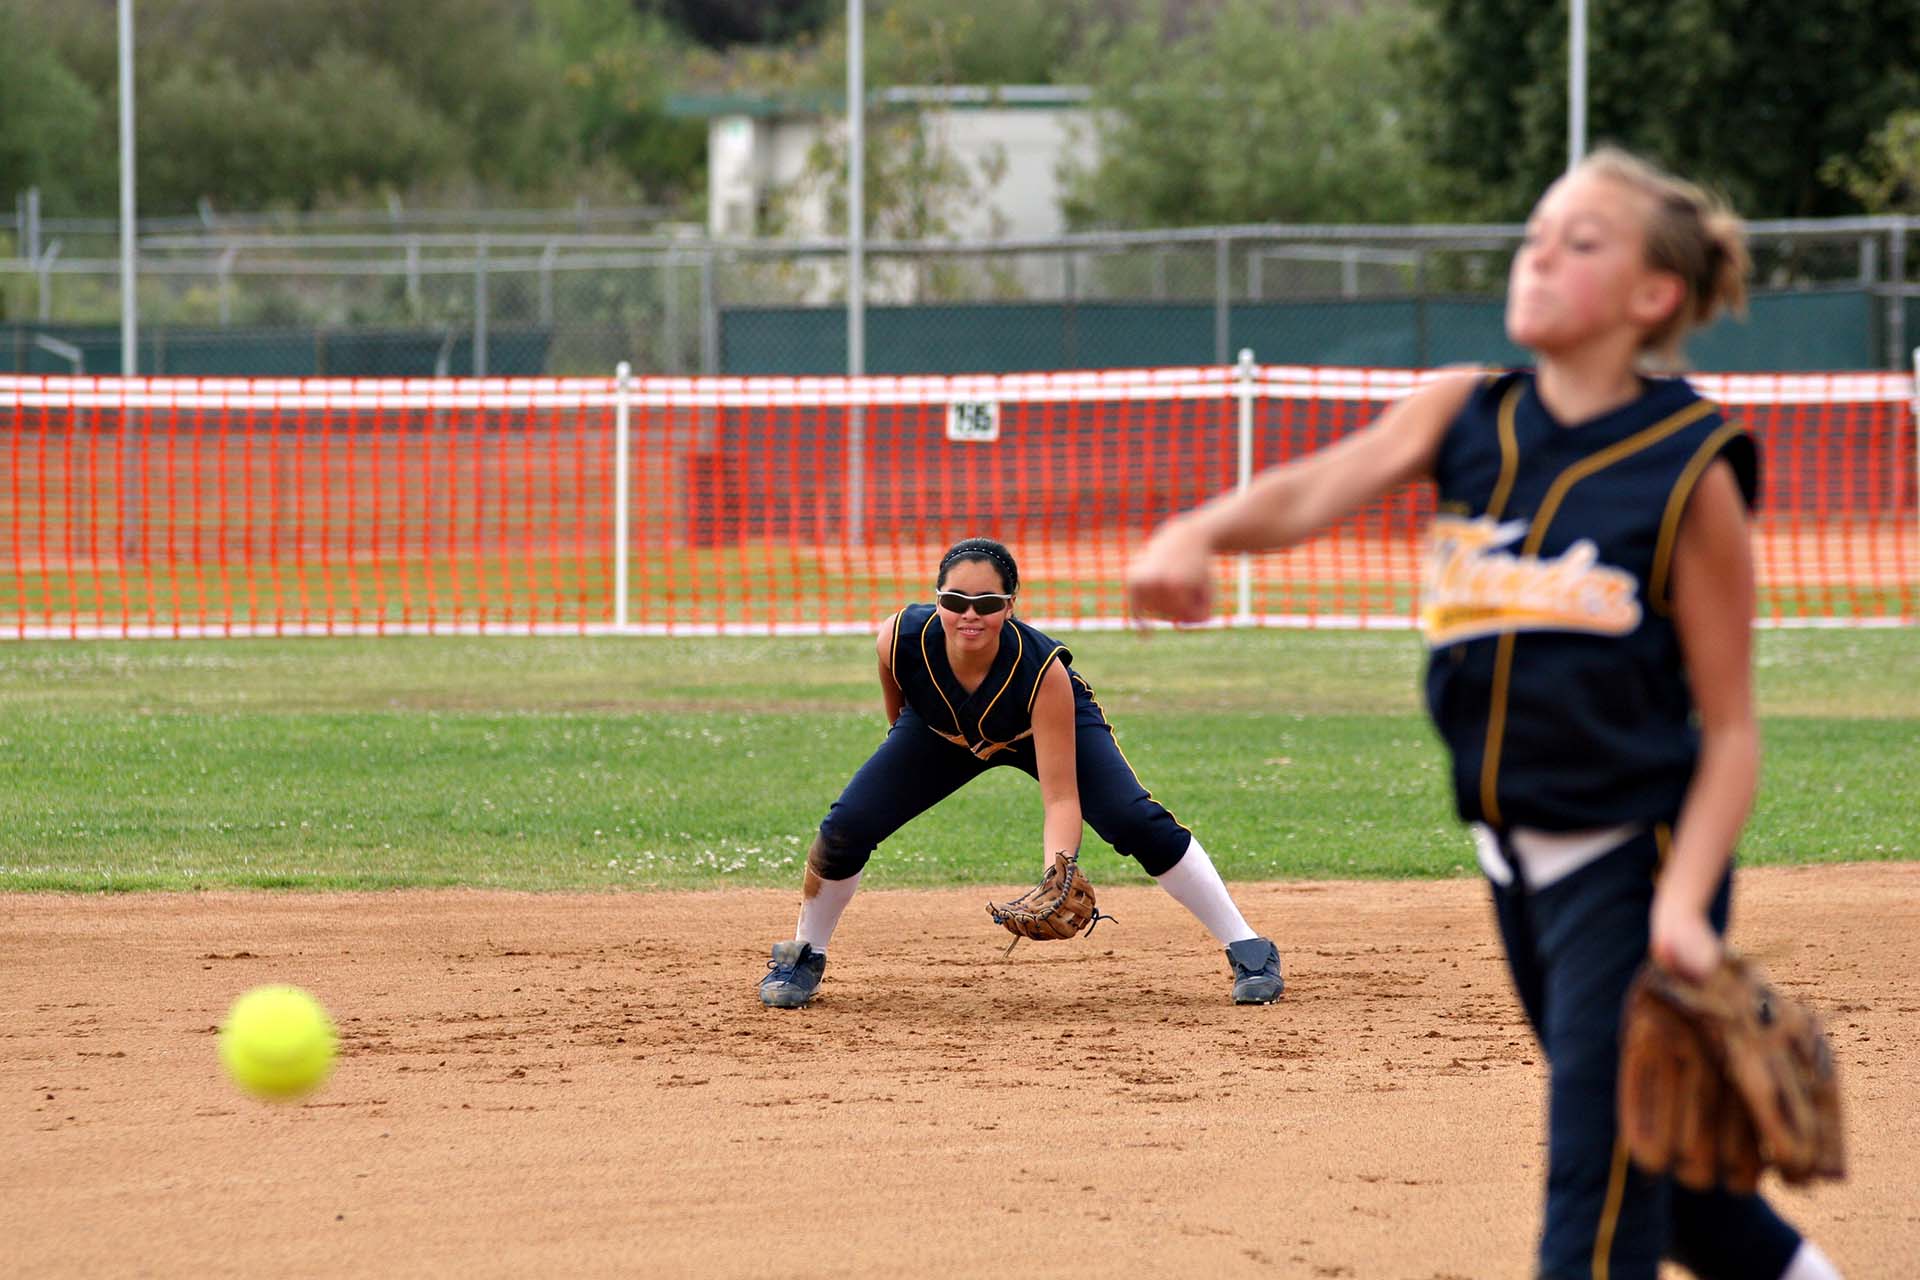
{"points": [[1724, 1077], [1060, 906]]}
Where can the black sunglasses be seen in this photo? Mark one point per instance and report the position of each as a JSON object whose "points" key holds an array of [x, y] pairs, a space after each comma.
{"points": [[985, 604]]}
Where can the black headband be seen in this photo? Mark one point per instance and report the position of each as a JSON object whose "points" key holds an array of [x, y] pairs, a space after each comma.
{"points": [[1008, 574]]}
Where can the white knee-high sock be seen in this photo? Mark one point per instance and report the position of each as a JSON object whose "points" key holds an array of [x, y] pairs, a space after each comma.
{"points": [[1195, 885], [820, 913], [1809, 1263]]}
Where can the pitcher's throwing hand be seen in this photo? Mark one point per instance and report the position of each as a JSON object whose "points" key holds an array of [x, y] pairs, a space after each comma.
{"points": [[1171, 576]]}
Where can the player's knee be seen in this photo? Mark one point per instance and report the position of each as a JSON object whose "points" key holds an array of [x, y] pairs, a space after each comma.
{"points": [[1158, 858], [1148, 834], [837, 853]]}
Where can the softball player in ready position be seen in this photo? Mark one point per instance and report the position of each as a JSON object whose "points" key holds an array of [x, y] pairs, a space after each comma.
{"points": [[969, 687], [1588, 603]]}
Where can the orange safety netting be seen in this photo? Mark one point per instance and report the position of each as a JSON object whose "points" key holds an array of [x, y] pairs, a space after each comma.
{"points": [[137, 507]]}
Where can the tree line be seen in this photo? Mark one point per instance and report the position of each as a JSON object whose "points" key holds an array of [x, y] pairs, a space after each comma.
{"points": [[1208, 111]]}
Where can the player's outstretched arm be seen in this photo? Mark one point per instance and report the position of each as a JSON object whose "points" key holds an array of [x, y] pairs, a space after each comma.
{"points": [[1288, 503]]}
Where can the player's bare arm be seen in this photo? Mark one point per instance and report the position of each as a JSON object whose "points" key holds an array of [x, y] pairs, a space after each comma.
{"points": [[1713, 601], [1054, 753], [1286, 504], [890, 695]]}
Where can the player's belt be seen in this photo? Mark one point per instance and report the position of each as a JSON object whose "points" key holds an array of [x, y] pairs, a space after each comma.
{"points": [[1544, 857]]}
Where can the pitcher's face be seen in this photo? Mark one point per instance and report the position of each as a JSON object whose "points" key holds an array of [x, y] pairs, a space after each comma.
{"points": [[1581, 272]]}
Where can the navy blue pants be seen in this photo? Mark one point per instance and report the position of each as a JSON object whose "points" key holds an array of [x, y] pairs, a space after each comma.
{"points": [[915, 769], [1572, 948]]}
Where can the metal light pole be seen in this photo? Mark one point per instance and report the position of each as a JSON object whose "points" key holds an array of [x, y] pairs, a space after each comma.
{"points": [[856, 190], [129, 303], [856, 267], [133, 497], [1576, 82]]}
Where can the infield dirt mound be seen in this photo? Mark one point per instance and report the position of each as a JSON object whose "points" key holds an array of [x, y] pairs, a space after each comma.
{"points": [[586, 1084]]}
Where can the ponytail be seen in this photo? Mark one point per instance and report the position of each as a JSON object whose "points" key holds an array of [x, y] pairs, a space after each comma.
{"points": [[1692, 235]]}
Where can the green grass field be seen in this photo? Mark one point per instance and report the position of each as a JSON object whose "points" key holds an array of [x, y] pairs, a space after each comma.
{"points": [[645, 763]]}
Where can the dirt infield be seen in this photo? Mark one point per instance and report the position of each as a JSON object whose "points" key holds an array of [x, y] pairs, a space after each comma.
{"points": [[560, 1085]]}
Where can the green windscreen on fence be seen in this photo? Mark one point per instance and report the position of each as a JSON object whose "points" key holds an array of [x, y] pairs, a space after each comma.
{"points": [[1832, 329], [277, 353], [1813, 330]]}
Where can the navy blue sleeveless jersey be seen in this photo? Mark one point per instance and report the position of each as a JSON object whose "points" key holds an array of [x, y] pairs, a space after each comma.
{"points": [[997, 714], [1554, 672]]}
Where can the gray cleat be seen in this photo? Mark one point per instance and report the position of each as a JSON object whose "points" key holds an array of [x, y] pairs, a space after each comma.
{"points": [[793, 975], [1256, 971]]}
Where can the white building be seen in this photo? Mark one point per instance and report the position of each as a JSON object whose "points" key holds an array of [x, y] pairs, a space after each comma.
{"points": [[1009, 142]]}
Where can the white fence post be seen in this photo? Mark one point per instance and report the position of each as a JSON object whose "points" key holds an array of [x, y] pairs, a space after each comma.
{"points": [[1243, 613], [622, 485]]}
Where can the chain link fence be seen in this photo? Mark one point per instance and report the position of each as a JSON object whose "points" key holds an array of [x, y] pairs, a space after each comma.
{"points": [[502, 301]]}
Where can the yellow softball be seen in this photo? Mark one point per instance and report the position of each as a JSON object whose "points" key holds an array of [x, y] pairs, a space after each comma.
{"points": [[277, 1042]]}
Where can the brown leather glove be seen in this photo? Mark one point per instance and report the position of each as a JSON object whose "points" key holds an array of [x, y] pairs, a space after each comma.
{"points": [[1060, 906], [1724, 1077]]}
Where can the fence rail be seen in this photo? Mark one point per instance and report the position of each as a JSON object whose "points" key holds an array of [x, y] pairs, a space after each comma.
{"points": [[662, 301]]}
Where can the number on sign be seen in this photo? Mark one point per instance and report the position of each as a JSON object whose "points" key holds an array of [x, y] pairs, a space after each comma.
{"points": [[976, 420]]}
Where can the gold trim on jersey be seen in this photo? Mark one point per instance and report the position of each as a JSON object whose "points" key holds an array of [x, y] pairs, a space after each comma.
{"points": [[1536, 534], [893, 649], [987, 747], [1658, 597], [1045, 663], [1013, 669], [934, 680], [1509, 450], [986, 750]]}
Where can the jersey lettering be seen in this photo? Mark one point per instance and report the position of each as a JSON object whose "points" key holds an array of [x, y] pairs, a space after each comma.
{"points": [[1470, 587]]}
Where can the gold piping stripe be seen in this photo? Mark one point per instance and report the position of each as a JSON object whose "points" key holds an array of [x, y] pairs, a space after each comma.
{"points": [[1663, 842], [1020, 648], [893, 650], [1610, 1212], [1537, 534], [1708, 453], [1035, 695], [1496, 731], [1115, 735], [1580, 470], [1509, 452], [1503, 656], [935, 680]]}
